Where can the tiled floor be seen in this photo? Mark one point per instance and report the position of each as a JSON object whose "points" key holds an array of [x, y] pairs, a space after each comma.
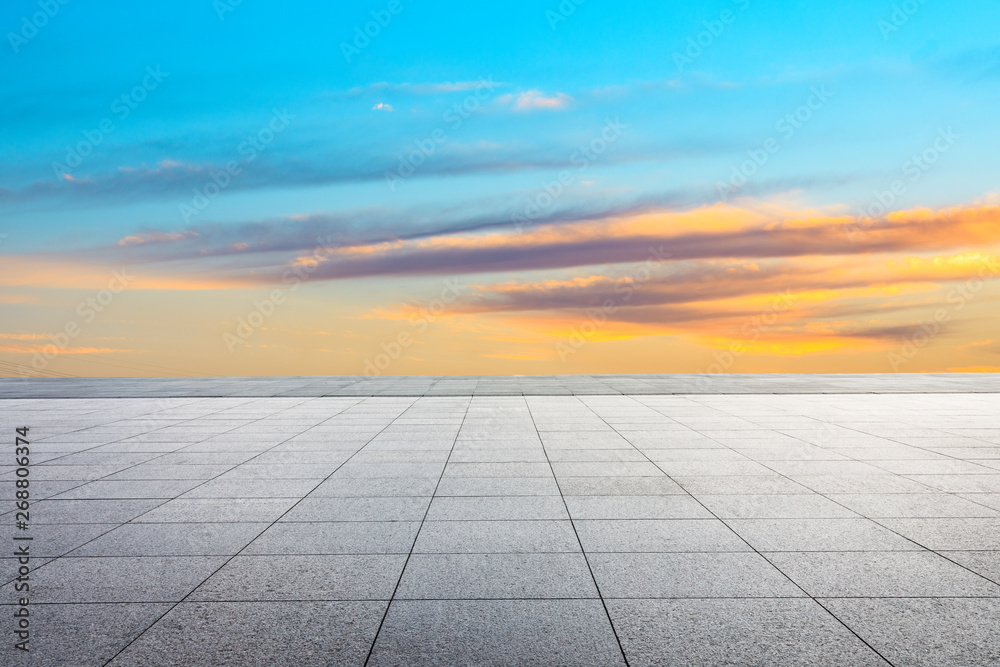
{"points": [[501, 385], [757, 529]]}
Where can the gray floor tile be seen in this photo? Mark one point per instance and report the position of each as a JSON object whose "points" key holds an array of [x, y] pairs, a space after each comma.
{"points": [[714, 468], [218, 510], [636, 507], [157, 471], [595, 455], [969, 483], [689, 575], [81, 635], [949, 534], [496, 632], [262, 578], [497, 508], [518, 469], [881, 574], [391, 508], [498, 486], [931, 632], [496, 576], [984, 563], [912, 505], [109, 490], [173, 539], [259, 488], [352, 470], [735, 632], [127, 579], [359, 537], [497, 537], [658, 536], [741, 485], [262, 634], [829, 484], [606, 469], [65, 472], [375, 487], [619, 486], [282, 471], [819, 535], [56, 540], [90, 511], [775, 506], [495, 454]]}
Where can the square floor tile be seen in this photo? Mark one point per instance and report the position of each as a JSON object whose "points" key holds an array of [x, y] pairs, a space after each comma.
{"points": [[819, 535], [735, 632], [119, 579], [173, 539], [689, 575], [657, 535], [276, 634], [496, 576], [931, 632], [881, 574], [343, 537], [497, 537], [262, 578], [496, 632]]}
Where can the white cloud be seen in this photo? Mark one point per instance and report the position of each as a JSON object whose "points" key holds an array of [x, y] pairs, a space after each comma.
{"points": [[536, 99]]}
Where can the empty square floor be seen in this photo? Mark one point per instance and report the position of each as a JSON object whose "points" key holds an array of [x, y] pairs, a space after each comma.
{"points": [[587, 529]]}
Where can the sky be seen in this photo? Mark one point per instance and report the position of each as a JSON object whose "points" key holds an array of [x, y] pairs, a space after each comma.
{"points": [[243, 188]]}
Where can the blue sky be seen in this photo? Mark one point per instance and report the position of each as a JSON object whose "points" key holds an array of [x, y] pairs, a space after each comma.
{"points": [[892, 76]]}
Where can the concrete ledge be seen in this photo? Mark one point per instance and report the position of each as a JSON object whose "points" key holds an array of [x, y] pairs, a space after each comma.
{"points": [[499, 385]]}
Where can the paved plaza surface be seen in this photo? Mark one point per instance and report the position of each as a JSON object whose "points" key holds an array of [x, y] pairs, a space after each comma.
{"points": [[500, 385], [779, 520]]}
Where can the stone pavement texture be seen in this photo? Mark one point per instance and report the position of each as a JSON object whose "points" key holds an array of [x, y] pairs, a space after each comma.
{"points": [[770, 528], [500, 385]]}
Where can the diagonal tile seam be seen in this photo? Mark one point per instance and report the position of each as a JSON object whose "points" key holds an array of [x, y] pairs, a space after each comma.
{"points": [[385, 614], [875, 520], [111, 442], [160, 408], [160, 405], [741, 538], [165, 500], [230, 558], [576, 533]]}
